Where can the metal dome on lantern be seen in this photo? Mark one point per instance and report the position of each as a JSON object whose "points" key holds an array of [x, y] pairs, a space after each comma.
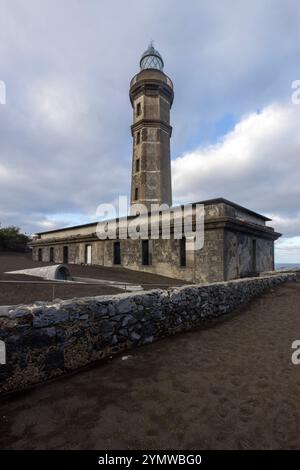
{"points": [[151, 59]]}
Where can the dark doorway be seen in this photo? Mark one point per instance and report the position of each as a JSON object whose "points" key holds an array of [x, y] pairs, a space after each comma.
{"points": [[40, 254], [51, 257], [62, 274], [146, 252], [66, 254], [183, 252], [254, 256], [117, 253]]}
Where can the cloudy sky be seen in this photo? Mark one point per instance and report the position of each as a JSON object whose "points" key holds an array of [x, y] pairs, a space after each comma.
{"points": [[65, 142]]}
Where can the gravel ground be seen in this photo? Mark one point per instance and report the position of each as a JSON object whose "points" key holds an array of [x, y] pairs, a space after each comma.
{"points": [[232, 386], [12, 294]]}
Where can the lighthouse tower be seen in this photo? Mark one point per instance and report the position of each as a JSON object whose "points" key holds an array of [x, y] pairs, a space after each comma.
{"points": [[151, 96]]}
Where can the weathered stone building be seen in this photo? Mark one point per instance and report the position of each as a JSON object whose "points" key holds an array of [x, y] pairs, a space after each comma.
{"points": [[237, 241]]}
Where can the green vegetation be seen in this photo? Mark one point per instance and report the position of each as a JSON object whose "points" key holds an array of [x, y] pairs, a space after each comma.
{"points": [[11, 239]]}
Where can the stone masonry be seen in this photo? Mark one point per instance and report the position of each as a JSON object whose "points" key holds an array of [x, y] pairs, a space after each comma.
{"points": [[237, 241]]}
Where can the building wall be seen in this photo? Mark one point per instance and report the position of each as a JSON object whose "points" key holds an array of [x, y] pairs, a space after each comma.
{"points": [[76, 252], [205, 265], [165, 258], [230, 233], [265, 255], [242, 215], [209, 262], [70, 232], [225, 255]]}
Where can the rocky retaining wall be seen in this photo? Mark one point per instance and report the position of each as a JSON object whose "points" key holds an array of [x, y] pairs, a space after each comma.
{"points": [[46, 340]]}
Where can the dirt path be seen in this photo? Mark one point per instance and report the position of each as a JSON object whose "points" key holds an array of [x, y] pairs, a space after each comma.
{"points": [[230, 386]]}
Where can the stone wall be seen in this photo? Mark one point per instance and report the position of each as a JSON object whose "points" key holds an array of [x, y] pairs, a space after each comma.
{"points": [[46, 340]]}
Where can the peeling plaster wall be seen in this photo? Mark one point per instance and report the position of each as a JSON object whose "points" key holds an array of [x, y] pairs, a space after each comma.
{"points": [[240, 259]]}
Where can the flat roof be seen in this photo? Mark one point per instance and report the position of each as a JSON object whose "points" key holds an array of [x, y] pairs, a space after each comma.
{"points": [[233, 204], [218, 200]]}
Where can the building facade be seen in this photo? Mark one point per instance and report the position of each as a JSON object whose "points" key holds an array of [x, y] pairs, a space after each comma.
{"points": [[237, 241]]}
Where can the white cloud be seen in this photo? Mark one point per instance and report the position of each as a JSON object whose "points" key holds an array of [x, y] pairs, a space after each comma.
{"points": [[288, 250], [289, 226], [4, 173], [257, 164]]}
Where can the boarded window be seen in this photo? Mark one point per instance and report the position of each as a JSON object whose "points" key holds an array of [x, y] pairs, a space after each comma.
{"points": [[254, 256], [183, 252], [117, 253], [51, 257], [66, 254], [146, 252]]}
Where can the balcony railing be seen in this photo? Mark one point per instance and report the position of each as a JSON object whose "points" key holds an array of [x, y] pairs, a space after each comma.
{"points": [[134, 80]]}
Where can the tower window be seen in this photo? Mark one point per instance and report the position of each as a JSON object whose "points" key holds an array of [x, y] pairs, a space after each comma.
{"points": [[136, 194], [117, 253], [138, 137], [137, 165], [146, 252], [183, 252], [138, 109]]}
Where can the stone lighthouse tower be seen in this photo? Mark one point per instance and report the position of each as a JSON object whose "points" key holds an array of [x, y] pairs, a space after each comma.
{"points": [[151, 96]]}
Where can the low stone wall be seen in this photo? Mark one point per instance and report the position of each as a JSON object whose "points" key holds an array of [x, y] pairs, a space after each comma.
{"points": [[46, 340]]}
